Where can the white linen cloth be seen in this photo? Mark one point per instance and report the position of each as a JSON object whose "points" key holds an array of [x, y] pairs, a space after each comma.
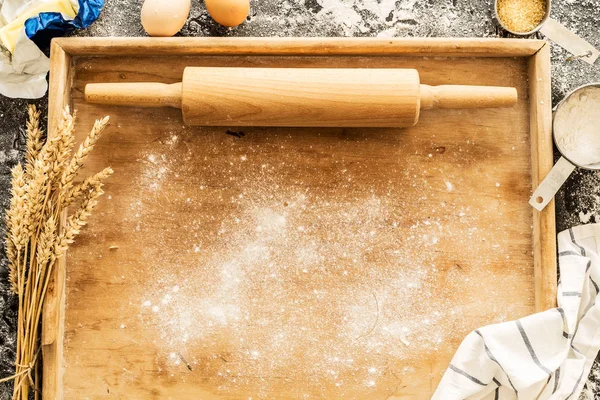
{"points": [[23, 73], [543, 356]]}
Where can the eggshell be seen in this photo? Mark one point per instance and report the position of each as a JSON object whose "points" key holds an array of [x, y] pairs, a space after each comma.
{"points": [[228, 12], [165, 17]]}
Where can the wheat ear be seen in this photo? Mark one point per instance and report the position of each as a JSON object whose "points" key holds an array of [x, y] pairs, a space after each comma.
{"points": [[84, 149], [76, 193], [59, 154], [17, 214], [13, 274], [34, 139], [36, 192], [16, 225], [45, 244], [77, 220]]}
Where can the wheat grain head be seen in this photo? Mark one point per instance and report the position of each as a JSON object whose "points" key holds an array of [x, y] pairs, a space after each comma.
{"points": [[46, 242], [36, 191], [16, 217], [63, 146], [34, 139], [76, 193], [82, 152], [78, 219], [17, 234]]}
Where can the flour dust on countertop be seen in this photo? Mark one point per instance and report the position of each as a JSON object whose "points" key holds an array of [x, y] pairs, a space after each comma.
{"points": [[320, 272]]}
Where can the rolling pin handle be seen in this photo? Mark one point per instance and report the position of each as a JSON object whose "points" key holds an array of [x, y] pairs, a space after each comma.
{"points": [[457, 96], [135, 94]]}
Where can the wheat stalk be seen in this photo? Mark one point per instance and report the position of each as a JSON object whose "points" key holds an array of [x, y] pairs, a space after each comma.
{"points": [[40, 195], [34, 139]]}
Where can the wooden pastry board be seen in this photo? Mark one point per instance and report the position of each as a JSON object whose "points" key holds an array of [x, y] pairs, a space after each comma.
{"points": [[298, 263]]}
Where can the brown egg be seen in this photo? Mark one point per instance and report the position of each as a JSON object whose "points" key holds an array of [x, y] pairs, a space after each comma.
{"points": [[165, 17], [228, 12]]}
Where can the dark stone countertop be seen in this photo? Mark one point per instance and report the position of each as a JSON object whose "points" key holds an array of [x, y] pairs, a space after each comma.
{"points": [[578, 201]]}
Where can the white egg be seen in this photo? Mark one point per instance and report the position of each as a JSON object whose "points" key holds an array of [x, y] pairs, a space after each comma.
{"points": [[165, 17]]}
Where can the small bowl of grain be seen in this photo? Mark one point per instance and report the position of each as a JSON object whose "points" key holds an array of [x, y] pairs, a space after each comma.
{"points": [[522, 17]]}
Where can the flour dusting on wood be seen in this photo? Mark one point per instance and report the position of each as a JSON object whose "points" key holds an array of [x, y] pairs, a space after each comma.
{"points": [[311, 272]]}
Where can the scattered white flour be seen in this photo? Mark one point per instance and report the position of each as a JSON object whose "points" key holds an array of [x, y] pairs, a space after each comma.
{"points": [[253, 264], [577, 121], [157, 171], [352, 15], [348, 11], [584, 217]]}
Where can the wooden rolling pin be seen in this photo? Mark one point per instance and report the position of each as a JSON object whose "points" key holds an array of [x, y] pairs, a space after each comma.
{"points": [[210, 96]]}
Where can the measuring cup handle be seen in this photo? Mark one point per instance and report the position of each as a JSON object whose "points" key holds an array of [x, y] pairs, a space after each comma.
{"points": [[569, 41], [552, 182]]}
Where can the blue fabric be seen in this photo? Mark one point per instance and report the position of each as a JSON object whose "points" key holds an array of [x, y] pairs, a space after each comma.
{"points": [[45, 26]]}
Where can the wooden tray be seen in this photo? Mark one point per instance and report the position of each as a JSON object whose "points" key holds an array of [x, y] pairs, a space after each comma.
{"points": [[298, 263]]}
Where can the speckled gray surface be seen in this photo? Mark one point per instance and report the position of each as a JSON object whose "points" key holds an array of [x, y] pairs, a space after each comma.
{"points": [[579, 200]]}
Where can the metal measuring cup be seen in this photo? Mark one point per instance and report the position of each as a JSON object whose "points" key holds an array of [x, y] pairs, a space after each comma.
{"points": [[563, 138], [559, 34]]}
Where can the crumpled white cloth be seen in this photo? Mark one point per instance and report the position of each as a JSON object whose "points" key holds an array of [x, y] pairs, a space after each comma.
{"points": [[22, 74], [543, 356]]}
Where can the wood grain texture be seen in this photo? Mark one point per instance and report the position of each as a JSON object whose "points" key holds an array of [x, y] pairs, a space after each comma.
{"points": [[451, 47], [59, 96], [138, 94], [341, 97], [541, 147], [461, 178], [457, 96]]}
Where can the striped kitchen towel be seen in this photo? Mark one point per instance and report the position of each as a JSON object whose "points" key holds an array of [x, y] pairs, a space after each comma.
{"points": [[543, 356]]}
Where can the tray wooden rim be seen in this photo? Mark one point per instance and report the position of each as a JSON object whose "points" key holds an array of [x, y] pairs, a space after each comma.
{"points": [[536, 51]]}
